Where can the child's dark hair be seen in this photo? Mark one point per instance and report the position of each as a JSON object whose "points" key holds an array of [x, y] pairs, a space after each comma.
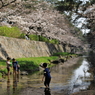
{"points": [[13, 59], [8, 58], [45, 65]]}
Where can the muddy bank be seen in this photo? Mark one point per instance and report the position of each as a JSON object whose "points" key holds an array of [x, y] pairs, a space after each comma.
{"points": [[40, 90]]}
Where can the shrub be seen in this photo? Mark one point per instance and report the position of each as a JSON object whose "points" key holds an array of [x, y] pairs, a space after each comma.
{"points": [[22, 35], [44, 39], [54, 41], [16, 33], [34, 37], [61, 53], [31, 64], [10, 32]]}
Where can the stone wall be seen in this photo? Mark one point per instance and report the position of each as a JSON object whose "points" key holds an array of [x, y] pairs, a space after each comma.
{"points": [[17, 48]]}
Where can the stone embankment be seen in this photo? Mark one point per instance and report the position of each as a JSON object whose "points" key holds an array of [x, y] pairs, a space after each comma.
{"points": [[19, 48]]}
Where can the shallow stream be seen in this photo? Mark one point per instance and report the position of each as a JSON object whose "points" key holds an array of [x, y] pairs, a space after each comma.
{"points": [[67, 79]]}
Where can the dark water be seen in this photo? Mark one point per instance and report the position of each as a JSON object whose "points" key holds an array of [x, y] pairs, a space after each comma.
{"points": [[71, 79]]}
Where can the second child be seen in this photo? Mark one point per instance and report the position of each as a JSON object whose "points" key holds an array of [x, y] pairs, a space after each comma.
{"points": [[15, 64]]}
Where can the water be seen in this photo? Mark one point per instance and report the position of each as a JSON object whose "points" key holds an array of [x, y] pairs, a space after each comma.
{"points": [[71, 79], [80, 75]]}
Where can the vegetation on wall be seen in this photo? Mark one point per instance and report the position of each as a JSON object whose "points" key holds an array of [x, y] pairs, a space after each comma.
{"points": [[16, 33], [62, 54], [44, 39], [10, 32]]}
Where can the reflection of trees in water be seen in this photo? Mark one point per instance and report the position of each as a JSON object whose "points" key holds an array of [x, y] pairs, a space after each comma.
{"points": [[91, 60], [92, 85]]}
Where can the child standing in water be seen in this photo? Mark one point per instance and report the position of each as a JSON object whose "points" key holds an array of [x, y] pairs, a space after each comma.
{"points": [[15, 63], [16, 67], [8, 63], [46, 75]]}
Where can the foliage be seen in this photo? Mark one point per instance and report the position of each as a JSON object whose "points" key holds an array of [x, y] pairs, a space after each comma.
{"points": [[54, 41], [68, 5], [2, 62], [16, 33], [31, 64], [28, 64], [44, 39], [74, 9], [36, 60], [73, 5], [22, 36], [62, 53], [38, 38], [3, 70], [65, 54], [41, 38], [92, 2], [10, 32]]}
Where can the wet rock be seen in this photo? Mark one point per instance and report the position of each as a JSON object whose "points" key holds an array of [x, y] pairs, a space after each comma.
{"points": [[24, 73], [55, 61], [76, 85], [61, 60]]}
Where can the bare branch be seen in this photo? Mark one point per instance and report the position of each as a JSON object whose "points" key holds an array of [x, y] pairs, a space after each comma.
{"points": [[3, 4]]}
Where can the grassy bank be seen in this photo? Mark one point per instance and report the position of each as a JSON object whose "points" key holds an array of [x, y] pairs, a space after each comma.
{"points": [[63, 54], [28, 64], [32, 64]]}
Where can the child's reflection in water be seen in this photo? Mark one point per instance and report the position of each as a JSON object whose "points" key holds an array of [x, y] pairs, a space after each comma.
{"points": [[8, 86], [15, 80], [47, 91]]}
